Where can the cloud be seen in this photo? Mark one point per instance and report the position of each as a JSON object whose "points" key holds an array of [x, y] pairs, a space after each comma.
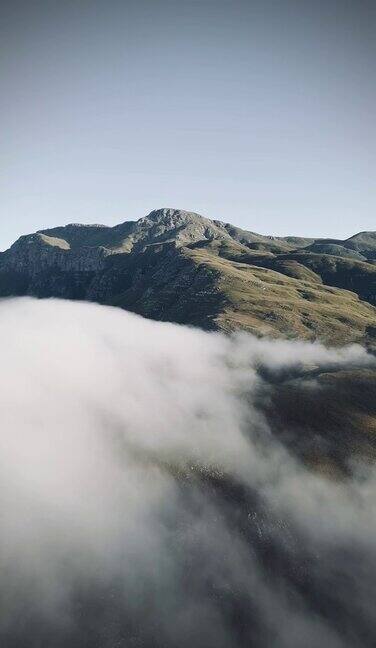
{"points": [[146, 499]]}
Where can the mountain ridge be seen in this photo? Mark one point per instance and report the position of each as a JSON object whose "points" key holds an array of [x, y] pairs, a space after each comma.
{"points": [[176, 265], [294, 241]]}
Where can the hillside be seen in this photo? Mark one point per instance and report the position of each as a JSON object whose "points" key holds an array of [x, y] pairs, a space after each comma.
{"points": [[178, 266]]}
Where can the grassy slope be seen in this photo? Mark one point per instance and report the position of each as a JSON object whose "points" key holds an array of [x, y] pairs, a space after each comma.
{"points": [[350, 274], [267, 302]]}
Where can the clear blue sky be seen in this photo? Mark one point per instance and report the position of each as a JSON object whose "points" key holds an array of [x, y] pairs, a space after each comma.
{"points": [[258, 113]]}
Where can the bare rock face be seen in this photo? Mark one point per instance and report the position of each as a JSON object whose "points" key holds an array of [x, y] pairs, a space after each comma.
{"points": [[37, 252], [181, 226], [179, 266]]}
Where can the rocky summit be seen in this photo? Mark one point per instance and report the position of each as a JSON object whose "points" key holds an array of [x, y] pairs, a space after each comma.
{"points": [[178, 266]]}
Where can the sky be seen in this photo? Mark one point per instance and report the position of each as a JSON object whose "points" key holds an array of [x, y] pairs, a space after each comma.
{"points": [[256, 113]]}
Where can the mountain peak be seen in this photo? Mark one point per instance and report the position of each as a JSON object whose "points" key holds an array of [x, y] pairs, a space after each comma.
{"points": [[172, 216]]}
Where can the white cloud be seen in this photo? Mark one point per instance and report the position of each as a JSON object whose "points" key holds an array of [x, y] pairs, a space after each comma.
{"points": [[142, 494]]}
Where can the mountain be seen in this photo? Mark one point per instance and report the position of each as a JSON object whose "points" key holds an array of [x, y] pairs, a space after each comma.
{"points": [[178, 266]]}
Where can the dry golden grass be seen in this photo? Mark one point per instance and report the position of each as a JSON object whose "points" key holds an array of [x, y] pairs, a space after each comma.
{"points": [[266, 302]]}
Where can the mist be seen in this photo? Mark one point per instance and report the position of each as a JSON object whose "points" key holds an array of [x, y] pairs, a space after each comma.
{"points": [[152, 493]]}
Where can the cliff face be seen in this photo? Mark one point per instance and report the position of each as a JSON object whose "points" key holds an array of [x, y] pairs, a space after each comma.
{"points": [[178, 266], [37, 253], [46, 268]]}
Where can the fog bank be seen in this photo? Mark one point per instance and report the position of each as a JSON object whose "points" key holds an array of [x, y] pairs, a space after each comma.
{"points": [[146, 499]]}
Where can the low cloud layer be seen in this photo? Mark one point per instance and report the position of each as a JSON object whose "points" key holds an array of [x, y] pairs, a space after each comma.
{"points": [[145, 499]]}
